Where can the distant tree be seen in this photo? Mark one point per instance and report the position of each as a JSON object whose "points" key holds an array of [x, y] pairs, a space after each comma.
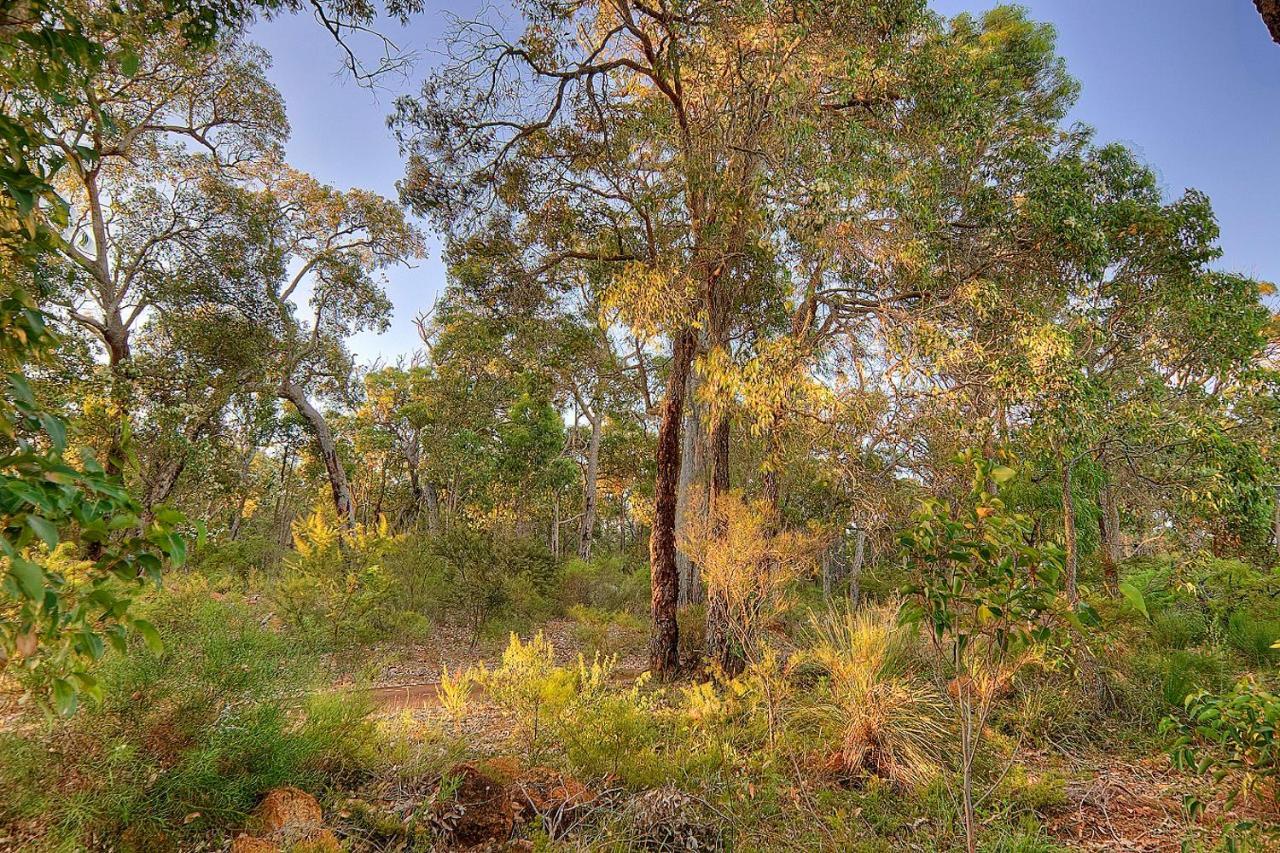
{"points": [[1270, 12]]}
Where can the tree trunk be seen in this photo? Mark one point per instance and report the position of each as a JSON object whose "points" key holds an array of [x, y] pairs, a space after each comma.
{"points": [[328, 452], [1270, 12], [664, 648], [692, 461], [1109, 537], [1069, 534], [433, 507], [590, 496], [855, 567]]}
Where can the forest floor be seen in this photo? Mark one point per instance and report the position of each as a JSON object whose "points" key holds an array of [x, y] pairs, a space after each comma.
{"points": [[1113, 802]]}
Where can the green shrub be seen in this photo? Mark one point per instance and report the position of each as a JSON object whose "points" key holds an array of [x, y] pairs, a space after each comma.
{"points": [[1184, 673], [1252, 636], [604, 583], [1180, 626], [184, 742]]}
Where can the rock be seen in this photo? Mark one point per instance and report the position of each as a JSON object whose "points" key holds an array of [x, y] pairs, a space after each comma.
{"points": [[289, 810], [559, 801], [668, 819], [288, 819], [479, 812], [249, 844]]}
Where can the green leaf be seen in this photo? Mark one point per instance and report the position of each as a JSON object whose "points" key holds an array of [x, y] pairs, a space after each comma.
{"points": [[149, 634], [45, 529], [1134, 596], [64, 697], [30, 577], [129, 64], [1002, 474]]}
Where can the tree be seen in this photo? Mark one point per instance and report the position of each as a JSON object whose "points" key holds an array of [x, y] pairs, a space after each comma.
{"points": [[1270, 12], [292, 231]]}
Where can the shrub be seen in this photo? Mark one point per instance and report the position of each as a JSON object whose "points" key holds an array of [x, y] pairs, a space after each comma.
{"points": [[1180, 626], [1235, 732], [1253, 636], [606, 633], [185, 741], [604, 583], [886, 722]]}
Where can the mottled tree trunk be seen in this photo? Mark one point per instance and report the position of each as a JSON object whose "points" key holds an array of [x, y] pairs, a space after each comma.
{"points": [[855, 567], [664, 648], [328, 451], [692, 463], [1109, 538]]}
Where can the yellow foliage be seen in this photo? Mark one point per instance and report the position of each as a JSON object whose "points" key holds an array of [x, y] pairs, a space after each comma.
{"points": [[747, 561]]}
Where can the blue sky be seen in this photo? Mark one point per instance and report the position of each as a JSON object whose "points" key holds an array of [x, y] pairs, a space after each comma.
{"points": [[1192, 85]]}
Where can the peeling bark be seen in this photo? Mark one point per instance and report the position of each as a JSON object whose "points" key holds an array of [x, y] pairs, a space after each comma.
{"points": [[664, 648]]}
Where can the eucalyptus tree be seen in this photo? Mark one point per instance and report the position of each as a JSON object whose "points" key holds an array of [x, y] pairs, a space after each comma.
{"points": [[720, 170], [310, 265]]}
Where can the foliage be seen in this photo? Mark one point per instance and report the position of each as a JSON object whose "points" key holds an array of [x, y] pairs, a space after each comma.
{"points": [[883, 718], [186, 740], [75, 549], [1233, 732], [982, 596]]}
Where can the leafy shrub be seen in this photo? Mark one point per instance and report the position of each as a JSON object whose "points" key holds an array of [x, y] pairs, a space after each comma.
{"points": [[187, 740], [604, 583], [606, 633], [1232, 732]]}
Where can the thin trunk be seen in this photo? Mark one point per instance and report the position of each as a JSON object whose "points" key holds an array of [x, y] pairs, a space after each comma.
{"points": [[1275, 524], [1109, 537], [328, 451], [826, 574], [590, 493], [1069, 534], [691, 473], [855, 568], [432, 496], [664, 649]]}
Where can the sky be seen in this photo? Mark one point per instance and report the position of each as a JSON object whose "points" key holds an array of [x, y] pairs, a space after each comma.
{"points": [[1192, 85]]}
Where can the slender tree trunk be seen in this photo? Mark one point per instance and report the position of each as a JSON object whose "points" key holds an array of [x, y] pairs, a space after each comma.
{"points": [[432, 496], [855, 567], [1109, 537], [664, 649], [692, 461], [328, 451], [1275, 524], [590, 493], [1069, 534]]}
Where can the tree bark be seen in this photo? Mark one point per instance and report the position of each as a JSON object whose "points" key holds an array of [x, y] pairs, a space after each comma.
{"points": [[590, 492], [692, 461], [328, 451], [855, 568], [664, 647], [1069, 534], [1270, 12], [1109, 537]]}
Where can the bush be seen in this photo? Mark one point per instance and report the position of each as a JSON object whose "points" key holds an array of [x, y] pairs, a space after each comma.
{"points": [[1179, 626], [1253, 636], [604, 583], [882, 718], [186, 741]]}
